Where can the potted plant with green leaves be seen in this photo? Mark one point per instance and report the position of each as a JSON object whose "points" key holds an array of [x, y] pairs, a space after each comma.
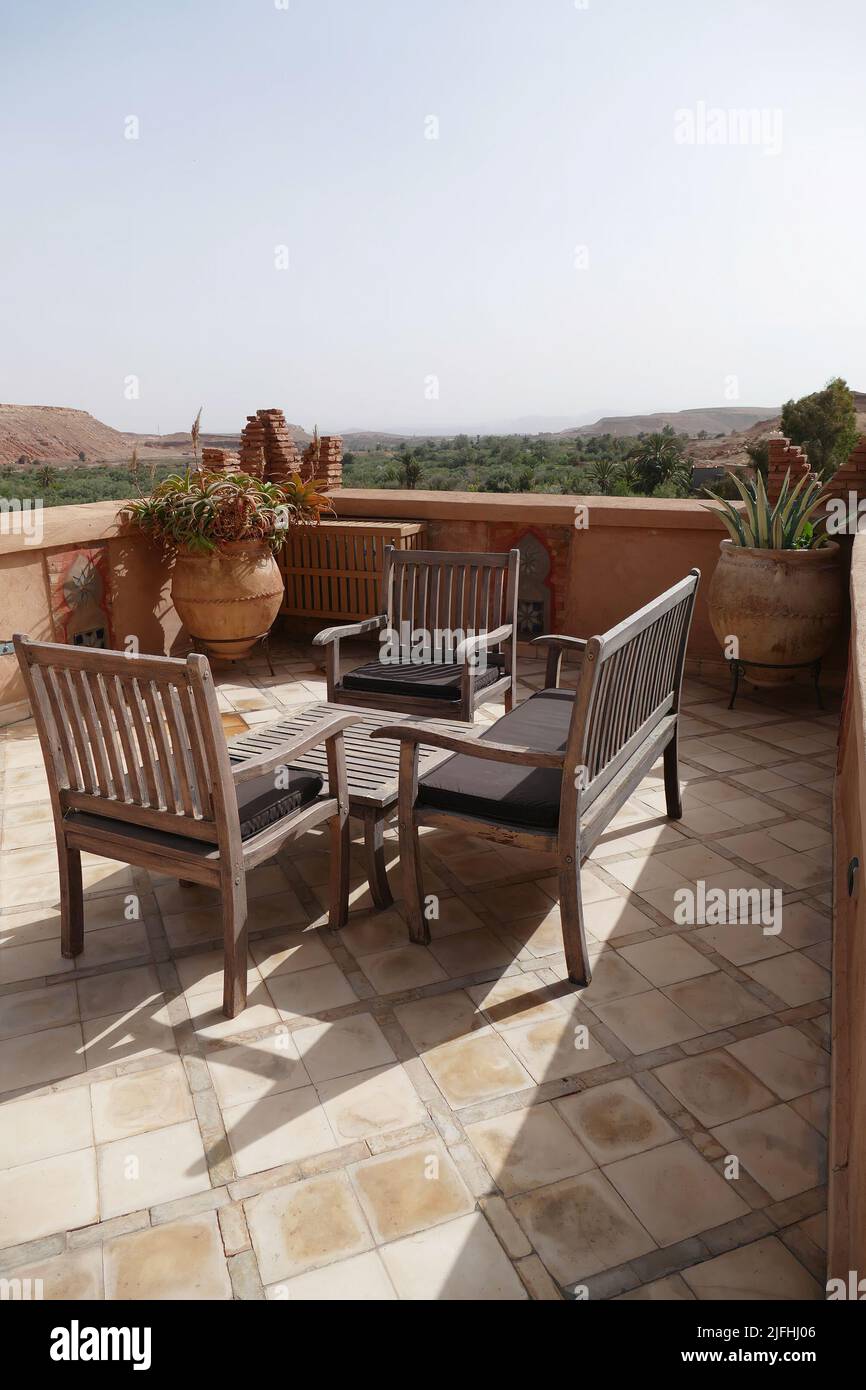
{"points": [[776, 597], [223, 530]]}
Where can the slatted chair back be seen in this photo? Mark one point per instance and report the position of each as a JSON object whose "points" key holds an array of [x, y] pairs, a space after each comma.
{"points": [[129, 737], [629, 684], [441, 590]]}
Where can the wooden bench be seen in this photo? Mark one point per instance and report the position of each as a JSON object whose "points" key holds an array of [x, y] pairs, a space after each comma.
{"points": [[550, 774]]}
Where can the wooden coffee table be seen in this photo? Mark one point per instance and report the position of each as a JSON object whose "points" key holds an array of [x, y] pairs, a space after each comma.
{"points": [[372, 767]]}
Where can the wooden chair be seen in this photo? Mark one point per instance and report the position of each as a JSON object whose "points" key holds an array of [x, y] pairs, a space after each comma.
{"points": [[138, 770], [444, 594], [550, 775]]}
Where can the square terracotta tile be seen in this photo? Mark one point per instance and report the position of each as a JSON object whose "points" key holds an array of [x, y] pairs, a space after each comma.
{"points": [[467, 952], [581, 1226], [764, 1270], [716, 1001], [403, 967], [714, 1087], [202, 973], [742, 942], [647, 1021], [151, 1168], [54, 1194], [360, 1279], [125, 1037], [370, 1102], [528, 1148], [74, 1277], [34, 1058], [120, 991], [368, 933], [250, 1071], [179, 1260], [309, 993], [476, 1068], [615, 1120], [44, 1126], [276, 1129], [439, 1018], [615, 919], [515, 999], [349, 1045], [141, 1101], [612, 978], [786, 1061], [794, 977], [779, 1149], [305, 1225], [282, 955], [802, 926], [667, 960], [31, 1010], [675, 1192], [459, 1261], [556, 1047], [410, 1190]]}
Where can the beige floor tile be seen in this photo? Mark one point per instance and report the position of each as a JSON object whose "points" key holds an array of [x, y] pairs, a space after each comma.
{"points": [[127, 1036], [120, 991], [667, 959], [369, 933], [528, 1148], [34, 1058], [802, 926], [755, 846], [667, 1290], [647, 1021], [338, 1049], [798, 870], [250, 1071], [612, 978], [742, 942], [466, 952], [794, 977], [54, 1194], [44, 1126], [459, 1261], [750, 810], [439, 1018], [31, 1010], [142, 1101], [800, 835], [403, 967], [615, 919], [75, 1277], [476, 1068], [647, 872], [114, 945], [206, 1012], [556, 1047], [278, 1128], [410, 1190], [815, 1109], [283, 955], [361, 1279], [179, 1260], [537, 938], [202, 973], [306, 1225], [581, 1226], [31, 961], [779, 1149], [370, 1102], [786, 1061], [675, 1192], [513, 1000], [309, 993], [764, 1270], [716, 1001], [714, 1087], [615, 1120], [151, 1168]]}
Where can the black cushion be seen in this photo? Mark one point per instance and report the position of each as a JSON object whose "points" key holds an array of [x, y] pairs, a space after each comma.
{"points": [[504, 792], [436, 681], [260, 803]]}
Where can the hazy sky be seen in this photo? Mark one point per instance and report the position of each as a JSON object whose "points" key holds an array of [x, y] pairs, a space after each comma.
{"points": [[575, 241]]}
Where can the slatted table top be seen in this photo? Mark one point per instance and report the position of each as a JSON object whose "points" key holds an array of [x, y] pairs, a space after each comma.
{"points": [[372, 765]]}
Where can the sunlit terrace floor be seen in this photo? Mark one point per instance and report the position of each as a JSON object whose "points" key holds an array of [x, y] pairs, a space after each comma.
{"points": [[389, 1121]]}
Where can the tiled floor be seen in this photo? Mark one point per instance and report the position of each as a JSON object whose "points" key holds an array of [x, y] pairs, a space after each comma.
{"points": [[389, 1121]]}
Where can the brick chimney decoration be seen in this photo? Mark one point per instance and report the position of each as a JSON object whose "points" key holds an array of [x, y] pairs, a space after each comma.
{"points": [[851, 477], [784, 457], [268, 451], [219, 460]]}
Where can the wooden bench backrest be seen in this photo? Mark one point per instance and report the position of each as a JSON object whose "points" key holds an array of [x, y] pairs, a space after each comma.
{"points": [[446, 589], [132, 738], [629, 682]]}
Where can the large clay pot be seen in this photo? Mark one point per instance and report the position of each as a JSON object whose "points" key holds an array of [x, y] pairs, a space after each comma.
{"points": [[228, 599], [783, 606]]}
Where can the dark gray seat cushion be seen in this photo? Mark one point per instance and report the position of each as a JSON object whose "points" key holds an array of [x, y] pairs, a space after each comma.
{"points": [[260, 803], [503, 792], [436, 681]]}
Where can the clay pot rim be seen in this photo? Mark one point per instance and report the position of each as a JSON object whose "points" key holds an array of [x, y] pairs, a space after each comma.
{"points": [[230, 548], [796, 557]]}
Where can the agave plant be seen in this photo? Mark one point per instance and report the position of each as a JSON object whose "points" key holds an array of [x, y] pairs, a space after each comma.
{"points": [[200, 510], [761, 526]]}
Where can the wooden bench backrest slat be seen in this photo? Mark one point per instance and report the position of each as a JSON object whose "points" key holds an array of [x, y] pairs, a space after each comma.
{"points": [[443, 589]]}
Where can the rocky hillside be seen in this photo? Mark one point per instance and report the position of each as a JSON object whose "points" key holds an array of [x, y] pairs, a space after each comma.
{"points": [[713, 419], [54, 434]]}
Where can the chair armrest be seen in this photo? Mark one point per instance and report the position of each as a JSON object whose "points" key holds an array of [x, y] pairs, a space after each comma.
{"points": [[557, 646], [328, 728], [335, 634], [482, 639], [472, 746]]}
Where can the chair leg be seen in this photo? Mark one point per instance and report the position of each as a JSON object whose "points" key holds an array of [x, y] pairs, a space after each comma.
{"points": [[673, 797], [234, 899], [509, 699], [71, 903], [338, 892], [413, 885], [571, 915]]}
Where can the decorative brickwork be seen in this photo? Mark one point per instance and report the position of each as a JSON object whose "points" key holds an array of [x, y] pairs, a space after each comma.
{"points": [[253, 447], [784, 457], [323, 460], [220, 460], [281, 452], [851, 477]]}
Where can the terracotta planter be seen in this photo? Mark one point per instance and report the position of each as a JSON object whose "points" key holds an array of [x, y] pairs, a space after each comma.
{"points": [[227, 600], [783, 606]]}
